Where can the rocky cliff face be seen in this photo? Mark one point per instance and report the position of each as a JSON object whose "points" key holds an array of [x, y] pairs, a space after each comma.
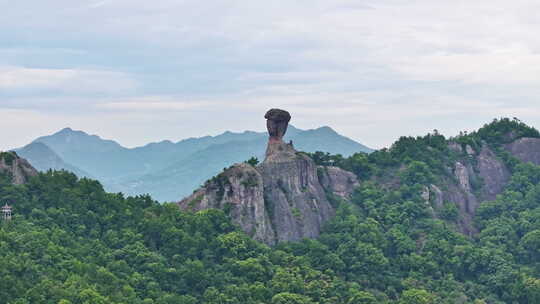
{"points": [[285, 198], [239, 191], [481, 176], [492, 172], [525, 149], [18, 169], [337, 181], [295, 199]]}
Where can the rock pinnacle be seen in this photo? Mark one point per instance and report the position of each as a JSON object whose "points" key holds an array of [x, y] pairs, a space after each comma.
{"points": [[277, 121]]}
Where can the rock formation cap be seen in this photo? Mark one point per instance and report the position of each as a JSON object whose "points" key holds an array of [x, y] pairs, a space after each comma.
{"points": [[278, 115], [277, 121]]}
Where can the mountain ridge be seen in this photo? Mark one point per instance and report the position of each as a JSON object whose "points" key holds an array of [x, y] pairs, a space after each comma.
{"points": [[69, 132], [44, 158], [166, 164]]}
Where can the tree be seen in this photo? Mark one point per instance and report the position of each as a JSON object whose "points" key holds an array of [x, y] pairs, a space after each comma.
{"points": [[252, 161], [532, 290], [290, 298], [362, 297], [416, 296], [90, 296], [531, 243]]}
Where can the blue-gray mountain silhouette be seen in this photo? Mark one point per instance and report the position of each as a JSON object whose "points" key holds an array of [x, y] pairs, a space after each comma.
{"points": [[167, 170]]}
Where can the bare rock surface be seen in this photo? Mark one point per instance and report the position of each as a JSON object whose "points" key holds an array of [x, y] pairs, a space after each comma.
{"points": [[277, 151], [493, 173], [454, 146], [462, 195], [526, 149], [455, 194], [462, 175], [338, 181], [294, 197], [437, 195], [19, 169], [239, 191], [479, 179]]}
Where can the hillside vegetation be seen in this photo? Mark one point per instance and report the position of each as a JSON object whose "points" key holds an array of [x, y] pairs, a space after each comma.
{"points": [[71, 242]]}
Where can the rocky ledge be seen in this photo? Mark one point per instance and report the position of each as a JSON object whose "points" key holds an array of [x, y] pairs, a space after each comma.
{"points": [[18, 169]]}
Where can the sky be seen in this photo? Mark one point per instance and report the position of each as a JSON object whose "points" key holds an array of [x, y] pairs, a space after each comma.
{"points": [[142, 71]]}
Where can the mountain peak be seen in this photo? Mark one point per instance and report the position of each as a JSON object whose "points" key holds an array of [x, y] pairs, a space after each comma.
{"points": [[68, 141], [326, 129], [66, 130], [71, 132]]}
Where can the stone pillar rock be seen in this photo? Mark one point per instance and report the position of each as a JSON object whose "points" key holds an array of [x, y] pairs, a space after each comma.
{"points": [[277, 121]]}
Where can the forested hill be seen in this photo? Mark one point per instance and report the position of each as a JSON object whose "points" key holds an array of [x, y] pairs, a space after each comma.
{"points": [[71, 242]]}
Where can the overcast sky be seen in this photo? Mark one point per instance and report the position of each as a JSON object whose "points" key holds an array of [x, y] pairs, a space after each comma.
{"points": [[139, 71]]}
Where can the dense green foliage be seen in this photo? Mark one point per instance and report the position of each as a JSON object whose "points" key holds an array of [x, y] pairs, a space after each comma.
{"points": [[431, 149], [71, 242], [8, 157], [499, 131], [500, 265], [252, 161]]}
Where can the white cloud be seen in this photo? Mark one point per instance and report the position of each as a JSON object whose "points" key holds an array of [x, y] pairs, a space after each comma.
{"points": [[154, 103], [66, 80], [373, 69], [20, 127], [503, 67]]}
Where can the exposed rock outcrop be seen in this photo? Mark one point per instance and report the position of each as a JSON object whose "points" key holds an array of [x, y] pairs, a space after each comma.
{"points": [[283, 198], [436, 195], [18, 169], [462, 195], [295, 199], [492, 172], [337, 181], [479, 176], [239, 191], [525, 149]]}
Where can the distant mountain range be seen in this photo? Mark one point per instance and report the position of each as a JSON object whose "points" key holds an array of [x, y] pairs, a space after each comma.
{"points": [[166, 170], [44, 158]]}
